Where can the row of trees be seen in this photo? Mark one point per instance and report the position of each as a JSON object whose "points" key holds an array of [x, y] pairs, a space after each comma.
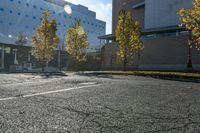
{"points": [[46, 41], [128, 33]]}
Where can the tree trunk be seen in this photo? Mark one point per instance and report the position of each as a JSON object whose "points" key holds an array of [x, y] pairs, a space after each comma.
{"points": [[125, 62], [42, 67], [138, 60], [189, 59]]}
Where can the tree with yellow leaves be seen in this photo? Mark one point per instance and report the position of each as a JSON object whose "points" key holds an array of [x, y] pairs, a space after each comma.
{"points": [[77, 42], [128, 35], [45, 40], [190, 19]]}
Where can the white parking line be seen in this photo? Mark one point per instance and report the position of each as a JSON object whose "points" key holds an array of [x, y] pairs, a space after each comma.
{"points": [[49, 92]]}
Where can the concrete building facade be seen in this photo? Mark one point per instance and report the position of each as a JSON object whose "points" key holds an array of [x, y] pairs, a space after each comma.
{"points": [[24, 16], [165, 43]]}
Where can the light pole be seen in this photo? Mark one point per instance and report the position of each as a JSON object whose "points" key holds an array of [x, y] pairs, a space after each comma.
{"points": [[68, 10]]}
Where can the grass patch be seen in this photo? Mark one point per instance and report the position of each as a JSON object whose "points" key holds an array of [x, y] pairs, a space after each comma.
{"points": [[181, 76]]}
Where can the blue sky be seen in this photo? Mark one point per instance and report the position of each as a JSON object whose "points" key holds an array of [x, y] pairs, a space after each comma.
{"points": [[103, 8]]}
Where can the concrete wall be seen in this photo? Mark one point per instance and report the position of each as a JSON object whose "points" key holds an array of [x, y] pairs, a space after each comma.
{"points": [[163, 53], [167, 53], [163, 13], [110, 61]]}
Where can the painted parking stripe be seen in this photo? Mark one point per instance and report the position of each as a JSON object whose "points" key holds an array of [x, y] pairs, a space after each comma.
{"points": [[49, 92]]}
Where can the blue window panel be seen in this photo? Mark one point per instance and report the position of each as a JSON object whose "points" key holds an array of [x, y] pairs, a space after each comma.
{"points": [[34, 17], [26, 15], [54, 12], [40, 19], [1, 9], [27, 4], [18, 13], [11, 11], [34, 6], [19, 2], [65, 16], [41, 8], [11, 0]]}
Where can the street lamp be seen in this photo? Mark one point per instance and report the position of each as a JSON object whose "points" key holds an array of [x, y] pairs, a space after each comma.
{"points": [[68, 10]]}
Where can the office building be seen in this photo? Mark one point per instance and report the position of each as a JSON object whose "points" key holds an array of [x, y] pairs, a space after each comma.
{"points": [[165, 43]]}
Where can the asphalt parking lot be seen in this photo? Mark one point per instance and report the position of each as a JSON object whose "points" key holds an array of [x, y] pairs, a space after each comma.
{"points": [[87, 103]]}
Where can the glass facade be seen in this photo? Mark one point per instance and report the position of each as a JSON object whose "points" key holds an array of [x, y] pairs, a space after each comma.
{"points": [[24, 16]]}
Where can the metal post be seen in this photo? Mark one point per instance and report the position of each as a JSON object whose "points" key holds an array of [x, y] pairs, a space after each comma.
{"points": [[59, 60], [2, 55]]}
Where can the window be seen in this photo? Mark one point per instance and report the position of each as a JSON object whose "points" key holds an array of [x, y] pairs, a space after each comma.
{"points": [[18, 13], [59, 14], [40, 19], [11, 11], [27, 4], [26, 15], [11, 0], [34, 17], [10, 23], [26, 27], [65, 16], [34, 6], [41, 8], [54, 12], [1, 9], [19, 2]]}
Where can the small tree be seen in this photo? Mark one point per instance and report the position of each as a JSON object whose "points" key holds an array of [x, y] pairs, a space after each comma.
{"points": [[190, 19], [77, 42], [45, 40], [21, 40], [128, 35]]}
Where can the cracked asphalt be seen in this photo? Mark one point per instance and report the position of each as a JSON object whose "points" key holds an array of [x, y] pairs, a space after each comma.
{"points": [[87, 103]]}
